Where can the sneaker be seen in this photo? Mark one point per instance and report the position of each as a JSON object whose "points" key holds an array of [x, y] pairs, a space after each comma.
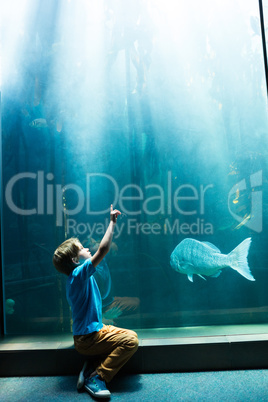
{"points": [[82, 375], [96, 387]]}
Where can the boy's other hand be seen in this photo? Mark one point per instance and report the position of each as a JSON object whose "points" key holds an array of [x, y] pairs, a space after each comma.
{"points": [[114, 214]]}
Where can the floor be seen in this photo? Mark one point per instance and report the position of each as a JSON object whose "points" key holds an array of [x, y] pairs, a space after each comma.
{"points": [[231, 386]]}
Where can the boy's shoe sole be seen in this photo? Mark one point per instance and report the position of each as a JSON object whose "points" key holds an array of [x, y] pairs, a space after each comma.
{"points": [[81, 378]]}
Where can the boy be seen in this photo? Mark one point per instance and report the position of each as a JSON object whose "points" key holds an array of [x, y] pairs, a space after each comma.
{"points": [[114, 346]]}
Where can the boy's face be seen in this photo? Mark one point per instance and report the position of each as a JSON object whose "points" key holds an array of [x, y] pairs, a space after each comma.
{"points": [[83, 254]]}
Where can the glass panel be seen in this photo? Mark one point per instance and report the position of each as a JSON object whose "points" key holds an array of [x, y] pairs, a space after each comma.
{"points": [[264, 5], [2, 314], [160, 108]]}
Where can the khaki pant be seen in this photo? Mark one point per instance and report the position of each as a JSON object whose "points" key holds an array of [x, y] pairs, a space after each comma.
{"points": [[113, 345]]}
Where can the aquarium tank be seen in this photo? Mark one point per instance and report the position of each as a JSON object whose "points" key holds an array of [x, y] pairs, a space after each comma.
{"points": [[160, 109]]}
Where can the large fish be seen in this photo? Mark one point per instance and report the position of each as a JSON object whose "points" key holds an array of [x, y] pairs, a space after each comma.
{"points": [[202, 258]]}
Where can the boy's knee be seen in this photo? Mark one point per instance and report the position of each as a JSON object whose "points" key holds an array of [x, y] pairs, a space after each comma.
{"points": [[133, 333], [134, 343]]}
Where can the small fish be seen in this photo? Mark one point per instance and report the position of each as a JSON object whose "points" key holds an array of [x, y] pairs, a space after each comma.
{"points": [[233, 170], [203, 258], [9, 304], [226, 225], [39, 123], [244, 221], [235, 201], [165, 228]]}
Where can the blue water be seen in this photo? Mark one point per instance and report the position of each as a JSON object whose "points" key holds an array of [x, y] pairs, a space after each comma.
{"points": [[159, 108]]}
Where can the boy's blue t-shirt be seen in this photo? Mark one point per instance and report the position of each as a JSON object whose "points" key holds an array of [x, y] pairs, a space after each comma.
{"points": [[104, 282], [84, 297]]}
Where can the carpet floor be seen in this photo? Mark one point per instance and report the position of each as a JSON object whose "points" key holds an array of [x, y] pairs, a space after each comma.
{"points": [[231, 386]]}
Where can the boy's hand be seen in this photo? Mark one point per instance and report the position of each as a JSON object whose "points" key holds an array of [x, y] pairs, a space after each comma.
{"points": [[114, 214]]}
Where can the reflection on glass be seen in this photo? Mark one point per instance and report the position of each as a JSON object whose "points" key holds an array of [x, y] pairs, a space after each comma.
{"points": [[157, 107]]}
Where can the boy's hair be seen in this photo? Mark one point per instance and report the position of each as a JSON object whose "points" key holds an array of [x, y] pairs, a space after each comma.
{"points": [[64, 255]]}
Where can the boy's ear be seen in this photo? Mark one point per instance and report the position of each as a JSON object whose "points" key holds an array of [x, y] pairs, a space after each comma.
{"points": [[75, 261]]}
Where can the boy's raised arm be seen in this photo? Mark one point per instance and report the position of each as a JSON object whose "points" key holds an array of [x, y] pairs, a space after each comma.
{"points": [[107, 238]]}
